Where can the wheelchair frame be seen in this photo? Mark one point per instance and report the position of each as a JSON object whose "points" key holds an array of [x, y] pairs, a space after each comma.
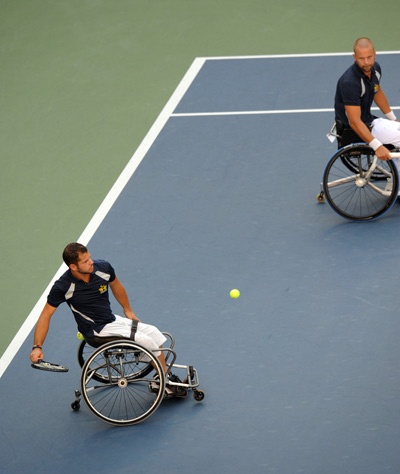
{"points": [[356, 184], [123, 383]]}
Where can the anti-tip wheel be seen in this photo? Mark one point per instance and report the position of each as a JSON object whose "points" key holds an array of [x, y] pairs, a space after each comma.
{"points": [[198, 395], [321, 197], [75, 405]]}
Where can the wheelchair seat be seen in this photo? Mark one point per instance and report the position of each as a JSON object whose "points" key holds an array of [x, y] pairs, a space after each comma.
{"points": [[346, 136], [97, 341]]}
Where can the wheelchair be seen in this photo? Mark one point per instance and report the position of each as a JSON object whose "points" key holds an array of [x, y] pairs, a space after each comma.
{"points": [[123, 382], [355, 183]]}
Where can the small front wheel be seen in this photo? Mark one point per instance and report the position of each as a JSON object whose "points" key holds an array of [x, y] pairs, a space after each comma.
{"points": [[75, 405], [198, 395]]}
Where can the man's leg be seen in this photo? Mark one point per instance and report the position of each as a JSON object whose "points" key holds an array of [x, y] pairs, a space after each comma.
{"points": [[161, 359], [147, 335], [387, 132]]}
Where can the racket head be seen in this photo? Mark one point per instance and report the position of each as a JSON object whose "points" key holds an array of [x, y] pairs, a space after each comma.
{"points": [[48, 366]]}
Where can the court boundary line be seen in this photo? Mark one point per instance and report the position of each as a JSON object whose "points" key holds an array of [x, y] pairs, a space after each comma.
{"points": [[300, 55], [126, 175]]}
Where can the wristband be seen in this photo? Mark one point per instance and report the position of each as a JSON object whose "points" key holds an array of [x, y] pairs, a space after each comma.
{"points": [[375, 144], [390, 115], [37, 347]]}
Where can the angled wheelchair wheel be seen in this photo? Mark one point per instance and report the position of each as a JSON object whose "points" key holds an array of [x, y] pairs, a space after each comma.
{"points": [[357, 185], [117, 385]]}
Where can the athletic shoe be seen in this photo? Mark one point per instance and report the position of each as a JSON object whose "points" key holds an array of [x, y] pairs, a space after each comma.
{"points": [[175, 390], [171, 391]]}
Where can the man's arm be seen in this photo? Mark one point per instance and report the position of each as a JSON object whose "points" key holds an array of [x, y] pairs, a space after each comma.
{"points": [[354, 115], [122, 298], [381, 101], [42, 327]]}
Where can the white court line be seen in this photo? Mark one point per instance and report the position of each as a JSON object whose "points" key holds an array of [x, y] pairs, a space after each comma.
{"points": [[105, 206], [251, 112], [277, 56], [128, 172], [262, 112]]}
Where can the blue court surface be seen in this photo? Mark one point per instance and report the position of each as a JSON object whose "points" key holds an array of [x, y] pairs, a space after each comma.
{"points": [[301, 373]]}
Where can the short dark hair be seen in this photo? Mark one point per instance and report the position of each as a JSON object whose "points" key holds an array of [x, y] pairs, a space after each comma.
{"points": [[71, 253]]}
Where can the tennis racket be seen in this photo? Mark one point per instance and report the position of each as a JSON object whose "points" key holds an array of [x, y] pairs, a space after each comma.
{"points": [[42, 365]]}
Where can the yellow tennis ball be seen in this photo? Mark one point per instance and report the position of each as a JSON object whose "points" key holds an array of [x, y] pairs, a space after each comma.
{"points": [[79, 336], [235, 293]]}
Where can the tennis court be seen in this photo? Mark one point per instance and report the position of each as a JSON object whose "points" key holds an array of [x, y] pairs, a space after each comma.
{"points": [[300, 373]]}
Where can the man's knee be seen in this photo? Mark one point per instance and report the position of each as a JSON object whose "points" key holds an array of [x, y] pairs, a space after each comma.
{"points": [[386, 131]]}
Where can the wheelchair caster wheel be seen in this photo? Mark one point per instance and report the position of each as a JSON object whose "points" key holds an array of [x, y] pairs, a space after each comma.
{"points": [[321, 197], [198, 395], [75, 405]]}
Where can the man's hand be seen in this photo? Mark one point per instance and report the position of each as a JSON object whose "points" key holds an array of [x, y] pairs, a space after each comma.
{"points": [[383, 153], [130, 314], [36, 354]]}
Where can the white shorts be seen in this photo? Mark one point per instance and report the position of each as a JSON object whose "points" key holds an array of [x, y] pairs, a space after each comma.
{"points": [[147, 335], [387, 131]]}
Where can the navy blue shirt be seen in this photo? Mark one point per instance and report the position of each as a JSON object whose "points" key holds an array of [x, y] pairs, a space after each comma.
{"points": [[355, 88], [89, 302]]}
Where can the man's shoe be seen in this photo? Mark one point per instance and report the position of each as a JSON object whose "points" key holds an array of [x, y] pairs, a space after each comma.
{"points": [[175, 391], [171, 391]]}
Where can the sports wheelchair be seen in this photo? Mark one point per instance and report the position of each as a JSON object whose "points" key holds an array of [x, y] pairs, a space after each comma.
{"points": [[355, 183], [123, 383]]}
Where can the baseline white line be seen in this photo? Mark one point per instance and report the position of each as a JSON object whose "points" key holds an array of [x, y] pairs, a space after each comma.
{"points": [[277, 56], [105, 206]]}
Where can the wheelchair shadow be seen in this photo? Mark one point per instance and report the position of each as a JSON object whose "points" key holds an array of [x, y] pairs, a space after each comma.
{"points": [[390, 222], [177, 411], [324, 211]]}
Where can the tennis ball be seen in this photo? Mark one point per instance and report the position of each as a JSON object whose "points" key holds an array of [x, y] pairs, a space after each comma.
{"points": [[235, 293], [79, 336]]}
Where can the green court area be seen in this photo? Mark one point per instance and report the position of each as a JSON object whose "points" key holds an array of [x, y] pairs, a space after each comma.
{"points": [[82, 82]]}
